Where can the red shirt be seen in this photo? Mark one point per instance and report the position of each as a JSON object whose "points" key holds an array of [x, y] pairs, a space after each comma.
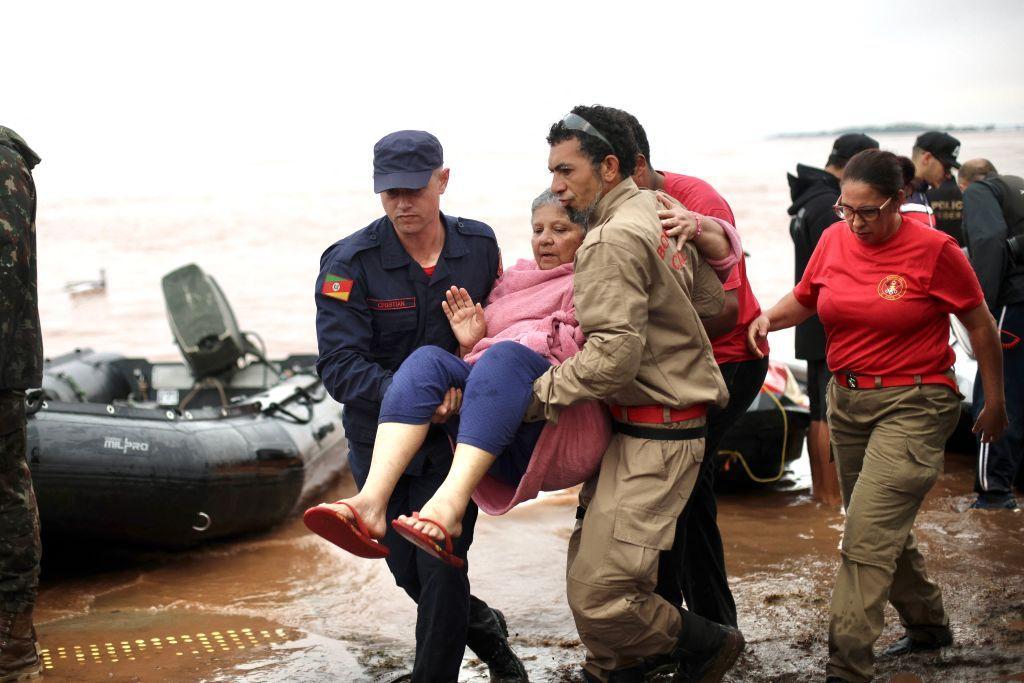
{"points": [[697, 195], [885, 307]]}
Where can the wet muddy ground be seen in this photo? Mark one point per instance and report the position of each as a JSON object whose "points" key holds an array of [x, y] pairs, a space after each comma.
{"points": [[285, 606]]}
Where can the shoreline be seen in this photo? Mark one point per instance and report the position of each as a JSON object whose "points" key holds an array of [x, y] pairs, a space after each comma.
{"points": [[283, 605]]}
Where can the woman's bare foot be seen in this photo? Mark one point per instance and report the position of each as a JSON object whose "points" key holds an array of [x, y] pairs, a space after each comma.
{"points": [[371, 511], [441, 510]]}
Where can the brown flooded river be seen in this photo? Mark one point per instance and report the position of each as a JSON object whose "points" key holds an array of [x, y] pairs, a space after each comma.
{"points": [[286, 606]]}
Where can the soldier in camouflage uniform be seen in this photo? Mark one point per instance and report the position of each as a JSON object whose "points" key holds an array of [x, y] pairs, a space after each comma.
{"points": [[21, 362]]}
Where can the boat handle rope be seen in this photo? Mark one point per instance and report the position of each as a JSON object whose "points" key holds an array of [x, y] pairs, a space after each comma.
{"points": [[782, 451], [304, 399]]}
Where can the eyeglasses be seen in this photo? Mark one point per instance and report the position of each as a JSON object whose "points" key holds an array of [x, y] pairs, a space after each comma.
{"points": [[869, 214], [577, 122]]}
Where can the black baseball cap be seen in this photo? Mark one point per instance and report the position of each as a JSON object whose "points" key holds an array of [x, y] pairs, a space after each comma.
{"points": [[405, 159], [942, 146], [846, 146]]}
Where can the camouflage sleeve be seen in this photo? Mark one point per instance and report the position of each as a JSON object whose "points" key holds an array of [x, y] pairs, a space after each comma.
{"points": [[17, 218], [20, 343]]}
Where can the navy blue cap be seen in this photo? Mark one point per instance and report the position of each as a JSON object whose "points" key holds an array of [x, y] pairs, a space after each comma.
{"points": [[405, 159]]}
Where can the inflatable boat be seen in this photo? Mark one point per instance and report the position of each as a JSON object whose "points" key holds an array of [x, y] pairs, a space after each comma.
{"points": [[173, 454], [769, 435]]}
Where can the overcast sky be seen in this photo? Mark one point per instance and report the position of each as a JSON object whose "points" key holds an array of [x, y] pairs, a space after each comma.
{"points": [[265, 79]]}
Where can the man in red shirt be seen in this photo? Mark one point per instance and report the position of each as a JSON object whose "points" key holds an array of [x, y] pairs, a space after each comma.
{"points": [[695, 567]]}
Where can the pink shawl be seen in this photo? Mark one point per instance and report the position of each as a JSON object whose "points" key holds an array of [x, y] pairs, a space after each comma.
{"points": [[535, 308]]}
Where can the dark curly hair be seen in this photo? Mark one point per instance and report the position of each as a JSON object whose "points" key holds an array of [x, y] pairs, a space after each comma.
{"points": [[639, 134], [877, 169], [612, 125]]}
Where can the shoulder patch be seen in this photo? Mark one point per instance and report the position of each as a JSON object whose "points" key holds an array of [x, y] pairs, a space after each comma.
{"points": [[337, 287]]}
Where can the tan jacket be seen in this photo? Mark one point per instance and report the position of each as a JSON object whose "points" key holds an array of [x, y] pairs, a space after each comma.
{"points": [[634, 299]]}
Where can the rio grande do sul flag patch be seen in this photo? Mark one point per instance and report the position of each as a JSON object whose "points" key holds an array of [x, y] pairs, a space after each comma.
{"points": [[337, 287]]}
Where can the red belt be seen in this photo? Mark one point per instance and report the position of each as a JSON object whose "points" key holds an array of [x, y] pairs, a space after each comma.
{"points": [[657, 414], [852, 381]]}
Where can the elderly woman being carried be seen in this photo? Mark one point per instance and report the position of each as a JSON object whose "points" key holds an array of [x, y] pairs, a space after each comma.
{"points": [[499, 460]]}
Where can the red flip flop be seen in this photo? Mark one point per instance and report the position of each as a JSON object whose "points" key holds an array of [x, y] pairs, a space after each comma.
{"points": [[428, 544], [351, 535]]}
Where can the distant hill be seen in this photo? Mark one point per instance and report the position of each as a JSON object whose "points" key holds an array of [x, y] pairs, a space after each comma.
{"points": [[911, 127]]}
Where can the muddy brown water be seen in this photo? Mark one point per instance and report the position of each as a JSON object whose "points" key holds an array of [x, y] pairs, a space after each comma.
{"points": [[286, 606]]}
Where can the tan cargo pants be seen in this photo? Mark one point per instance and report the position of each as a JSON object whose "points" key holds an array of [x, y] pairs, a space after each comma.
{"points": [[889, 446], [631, 509]]}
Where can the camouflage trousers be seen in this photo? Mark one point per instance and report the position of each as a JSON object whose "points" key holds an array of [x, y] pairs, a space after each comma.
{"points": [[20, 548]]}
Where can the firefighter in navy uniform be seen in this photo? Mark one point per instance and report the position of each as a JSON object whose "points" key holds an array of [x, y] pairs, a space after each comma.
{"points": [[378, 298]]}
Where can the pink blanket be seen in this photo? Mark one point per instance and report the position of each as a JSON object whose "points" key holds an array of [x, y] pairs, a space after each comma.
{"points": [[535, 308]]}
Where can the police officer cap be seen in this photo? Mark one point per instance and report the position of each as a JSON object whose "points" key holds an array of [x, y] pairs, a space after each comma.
{"points": [[942, 146], [847, 146], [405, 159]]}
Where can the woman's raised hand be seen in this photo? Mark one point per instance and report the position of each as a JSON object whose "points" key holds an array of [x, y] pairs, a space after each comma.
{"points": [[676, 220], [465, 317]]}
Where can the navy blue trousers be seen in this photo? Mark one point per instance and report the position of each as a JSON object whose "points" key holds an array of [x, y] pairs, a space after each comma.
{"points": [[448, 617], [444, 607], [999, 462]]}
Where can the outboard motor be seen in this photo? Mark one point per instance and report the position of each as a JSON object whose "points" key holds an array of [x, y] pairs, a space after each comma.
{"points": [[203, 324]]}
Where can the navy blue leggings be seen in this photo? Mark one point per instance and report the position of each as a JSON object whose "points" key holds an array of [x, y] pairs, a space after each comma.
{"points": [[496, 393]]}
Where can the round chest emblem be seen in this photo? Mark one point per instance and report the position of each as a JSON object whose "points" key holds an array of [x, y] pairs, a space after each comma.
{"points": [[892, 287]]}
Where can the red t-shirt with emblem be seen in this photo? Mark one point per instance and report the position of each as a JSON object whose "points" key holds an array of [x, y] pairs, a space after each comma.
{"points": [[885, 307], [697, 195]]}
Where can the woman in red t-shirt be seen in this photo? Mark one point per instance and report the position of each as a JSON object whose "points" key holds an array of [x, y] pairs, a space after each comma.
{"points": [[884, 286]]}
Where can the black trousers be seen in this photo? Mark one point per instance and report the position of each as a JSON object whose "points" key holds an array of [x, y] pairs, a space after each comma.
{"points": [[694, 569], [999, 463], [447, 616]]}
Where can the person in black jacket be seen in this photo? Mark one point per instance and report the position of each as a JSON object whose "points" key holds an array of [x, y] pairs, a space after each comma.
{"points": [[934, 155], [814, 192], [993, 214]]}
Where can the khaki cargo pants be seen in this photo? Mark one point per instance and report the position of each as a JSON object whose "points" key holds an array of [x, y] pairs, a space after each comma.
{"points": [[889, 446], [631, 510]]}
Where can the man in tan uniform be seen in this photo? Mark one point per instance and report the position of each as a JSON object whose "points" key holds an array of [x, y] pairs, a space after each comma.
{"points": [[647, 356]]}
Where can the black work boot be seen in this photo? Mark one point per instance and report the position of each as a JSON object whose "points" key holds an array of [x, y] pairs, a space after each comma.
{"points": [[19, 653], [706, 649], [488, 638], [907, 645], [631, 674]]}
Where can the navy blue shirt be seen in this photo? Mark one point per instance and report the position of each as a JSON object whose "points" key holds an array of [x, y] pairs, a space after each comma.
{"points": [[375, 305]]}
